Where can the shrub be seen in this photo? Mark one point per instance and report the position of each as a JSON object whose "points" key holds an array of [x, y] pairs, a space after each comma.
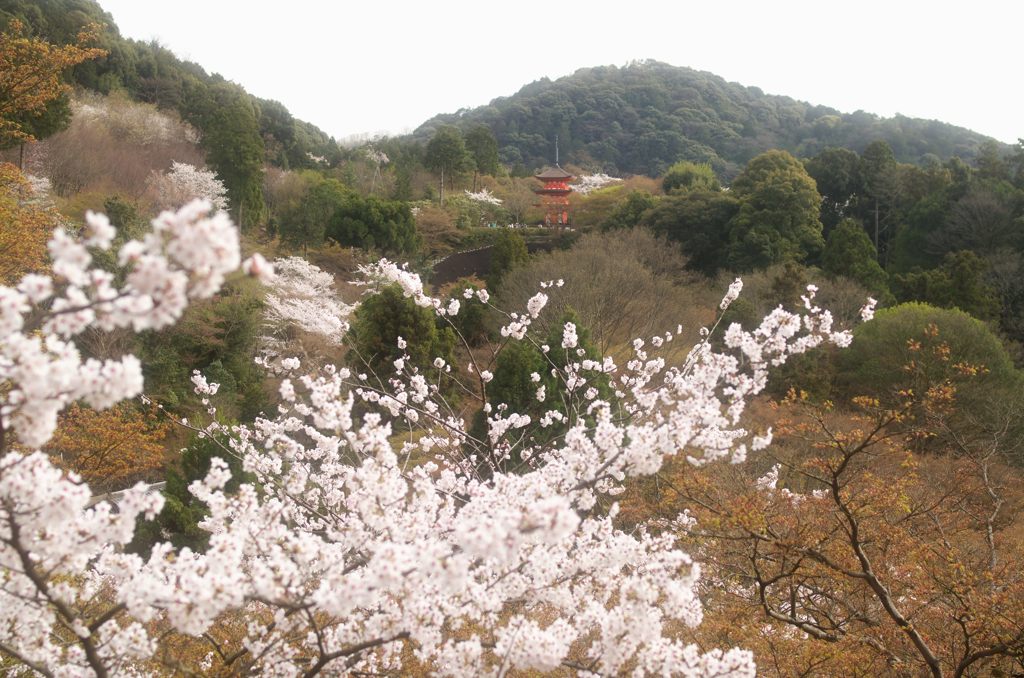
{"points": [[387, 316]]}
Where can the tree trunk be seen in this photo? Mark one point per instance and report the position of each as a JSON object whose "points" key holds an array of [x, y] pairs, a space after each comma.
{"points": [[441, 192], [877, 254], [21, 157]]}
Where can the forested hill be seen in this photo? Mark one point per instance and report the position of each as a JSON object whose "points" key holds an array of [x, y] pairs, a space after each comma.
{"points": [[240, 132], [643, 117]]}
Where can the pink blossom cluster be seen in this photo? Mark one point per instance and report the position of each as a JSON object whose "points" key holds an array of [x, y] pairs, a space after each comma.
{"points": [[339, 548]]}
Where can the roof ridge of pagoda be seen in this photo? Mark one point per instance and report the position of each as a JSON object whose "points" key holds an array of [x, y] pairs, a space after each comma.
{"points": [[555, 172]]}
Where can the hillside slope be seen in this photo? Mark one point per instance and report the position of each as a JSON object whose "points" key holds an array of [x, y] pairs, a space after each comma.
{"points": [[151, 73], [641, 118]]}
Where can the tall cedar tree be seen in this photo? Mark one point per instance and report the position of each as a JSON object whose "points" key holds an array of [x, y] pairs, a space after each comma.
{"points": [[483, 149], [446, 156]]}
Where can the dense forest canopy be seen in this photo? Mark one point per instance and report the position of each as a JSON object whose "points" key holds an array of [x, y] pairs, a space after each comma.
{"points": [[643, 117]]}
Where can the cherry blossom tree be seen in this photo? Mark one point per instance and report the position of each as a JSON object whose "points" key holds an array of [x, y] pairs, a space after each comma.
{"points": [[186, 182], [483, 195], [302, 296], [342, 555], [591, 182]]}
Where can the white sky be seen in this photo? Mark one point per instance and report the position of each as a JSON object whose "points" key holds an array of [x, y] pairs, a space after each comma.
{"points": [[373, 66]]}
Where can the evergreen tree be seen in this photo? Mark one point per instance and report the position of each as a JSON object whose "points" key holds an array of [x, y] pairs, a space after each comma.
{"points": [[373, 223], [958, 283], [630, 211], [446, 156], [837, 173], [178, 521], [878, 170], [306, 224], [919, 344], [523, 383], [690, 176], [483, 149], [234, 147], [849, 253], [699, 221], [509, 251], [378, 323], [778, 215]]}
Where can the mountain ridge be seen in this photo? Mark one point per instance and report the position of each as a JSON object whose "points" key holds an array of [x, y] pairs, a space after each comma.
{"points": [[642, 117]]}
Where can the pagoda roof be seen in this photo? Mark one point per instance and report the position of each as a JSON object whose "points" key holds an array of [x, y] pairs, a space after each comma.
{"points": [[553, 173]]}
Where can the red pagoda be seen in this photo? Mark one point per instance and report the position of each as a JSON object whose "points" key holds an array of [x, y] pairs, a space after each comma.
{"points": [[554, 195]]}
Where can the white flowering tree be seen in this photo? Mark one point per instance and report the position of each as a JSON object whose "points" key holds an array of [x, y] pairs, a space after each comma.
{"points": [[340, 555], [483, 196], [588, 183], [186, 182], [302, 296]]}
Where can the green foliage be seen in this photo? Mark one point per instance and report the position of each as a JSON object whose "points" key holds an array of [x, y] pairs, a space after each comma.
{"points": [[384, 317], [179, 520], [373, 223], [922, 345], [472, 320], [959, 283], [561, 357], [878, 169], [513, 389], [990, 162], [784, 285], [910, 248], [483, 149], [644, 117], [328, 209], [629, 212], [512, 384], [305, 223], [277, 129], [778, 216], [54, 117], [509, 251], [217, 336], [837, 173], [879, 200], [1015, 164], [125, 217], [234, 147], [152, 73], [690, 176], [986, 219], [849, 252], [446, 155], [874, 362], [699, 221], [465, 213]]}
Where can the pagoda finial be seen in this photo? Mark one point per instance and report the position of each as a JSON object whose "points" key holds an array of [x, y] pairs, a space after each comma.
{"points": [[556, 151]]}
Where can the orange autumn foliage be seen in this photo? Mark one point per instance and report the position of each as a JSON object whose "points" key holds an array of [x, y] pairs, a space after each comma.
{"points": [[25, 227], [111, 449], [30, 74], [865, 558], [849, 548]]}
